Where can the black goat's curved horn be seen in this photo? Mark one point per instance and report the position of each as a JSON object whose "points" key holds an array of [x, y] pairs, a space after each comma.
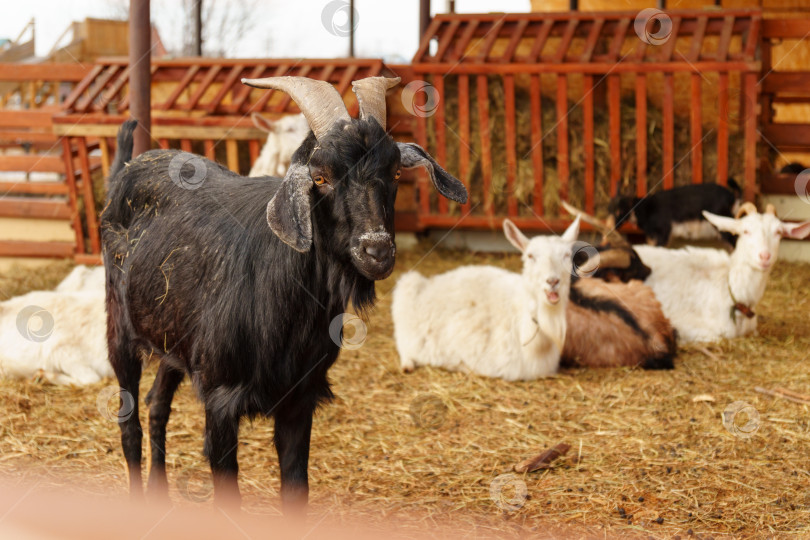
{"points": [[371, 96], [318, 100]]}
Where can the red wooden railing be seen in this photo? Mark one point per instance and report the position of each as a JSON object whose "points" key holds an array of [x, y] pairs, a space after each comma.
{"points": [[583, 61]]}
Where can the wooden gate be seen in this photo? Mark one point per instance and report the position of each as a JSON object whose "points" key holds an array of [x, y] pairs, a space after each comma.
{"points": [[531, 109]]}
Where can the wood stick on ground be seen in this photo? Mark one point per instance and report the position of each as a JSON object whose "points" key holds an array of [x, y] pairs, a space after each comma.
{"points": [[775, 393], [542, 460], [791, 393]]}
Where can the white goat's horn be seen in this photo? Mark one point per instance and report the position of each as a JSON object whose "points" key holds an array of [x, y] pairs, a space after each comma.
{"points": [[371, 96], [746, 208], [770, 209], [318, 100]]}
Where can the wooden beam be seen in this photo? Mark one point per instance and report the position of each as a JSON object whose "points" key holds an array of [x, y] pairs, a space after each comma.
{"points": [[17, 248], [27, 207], [140, 57]]}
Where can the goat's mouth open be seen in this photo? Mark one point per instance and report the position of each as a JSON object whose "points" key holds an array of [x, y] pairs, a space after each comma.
{"points": [[553, 297]]}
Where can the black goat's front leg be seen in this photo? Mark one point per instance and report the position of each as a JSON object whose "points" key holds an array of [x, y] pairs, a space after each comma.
{"points": [[159, 400], [291, 436], [221, 447]]}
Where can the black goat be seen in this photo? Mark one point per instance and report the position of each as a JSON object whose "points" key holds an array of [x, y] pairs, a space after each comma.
{"points": [[678, 211], [198, 279]]}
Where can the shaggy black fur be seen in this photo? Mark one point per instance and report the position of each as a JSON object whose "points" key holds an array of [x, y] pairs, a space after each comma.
{"points": [[198, 279], [656, 213]]}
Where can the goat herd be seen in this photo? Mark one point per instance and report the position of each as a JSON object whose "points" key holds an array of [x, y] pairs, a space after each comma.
{"points": [[196, 279]]}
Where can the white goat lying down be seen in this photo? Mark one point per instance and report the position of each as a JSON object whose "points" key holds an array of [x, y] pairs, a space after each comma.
{"points": [[58, 334], [284, 136], [488, 320], [709, 294]]}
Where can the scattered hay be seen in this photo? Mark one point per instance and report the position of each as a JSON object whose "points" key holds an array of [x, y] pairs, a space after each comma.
{"points": [[645, 459]]}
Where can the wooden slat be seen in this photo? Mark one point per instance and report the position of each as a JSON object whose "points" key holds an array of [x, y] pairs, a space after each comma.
{"points": [[750, 134], [587, 112], [39, 119], [29, 207], [32, 163], [752, 38], [439, 124], [18, 137], [786, 82], [226, 87], [446, 39], [112, 90], [90, 214], [697, 39], [205, 83], [346, 79], [100, 84], [593, 37], [615, 133], [424, 45], [696, 128], [105, 156], [464, 134], [722, 129], [788, 136], [18, 248], [725, 38], [483, 132], [241, 96], [83, 85], [537, 143], [625, 66], [179, 88], [185, 145], [669, 47], [669, 131], [70, 180], [162, 142], [489, 41], [422, 183], [254, 148], [209, 149], [539, 41], [46, 71], [565, 42], [461, 44], [797, 28], [123, 105], [641, 135], [232, 155], [33, 188], [562, 135], [514, 41], [619, 36], [511, 143]]}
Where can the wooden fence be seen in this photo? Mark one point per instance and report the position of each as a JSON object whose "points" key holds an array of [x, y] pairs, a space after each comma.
{"points": [[579, 66], [29, 97]]}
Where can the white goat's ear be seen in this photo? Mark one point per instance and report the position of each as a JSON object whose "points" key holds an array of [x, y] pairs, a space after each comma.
{"points": [[263, 123], [799, 231], [572, 232], [723, 223], [515, 237]]}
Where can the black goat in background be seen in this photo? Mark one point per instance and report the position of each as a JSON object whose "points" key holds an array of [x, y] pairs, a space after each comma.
{"points": [[197, 278]]}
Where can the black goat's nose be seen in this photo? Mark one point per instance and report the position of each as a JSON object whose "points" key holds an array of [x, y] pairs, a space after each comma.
{"points": [[378, 252]]}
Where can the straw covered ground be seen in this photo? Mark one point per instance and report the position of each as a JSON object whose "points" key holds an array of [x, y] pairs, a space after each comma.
{"points": [[647, 458]]}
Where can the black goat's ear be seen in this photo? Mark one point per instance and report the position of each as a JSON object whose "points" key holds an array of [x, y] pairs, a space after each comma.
{"points": [[288, 212], [413, 155]]}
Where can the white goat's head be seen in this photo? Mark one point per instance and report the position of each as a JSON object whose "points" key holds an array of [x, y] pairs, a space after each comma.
{"points": [[758, 235], [546, 259], [284, 136]]}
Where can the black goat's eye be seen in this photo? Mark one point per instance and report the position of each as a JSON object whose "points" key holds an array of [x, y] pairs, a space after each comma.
{"points": [[319, 180], [398, 174]]}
